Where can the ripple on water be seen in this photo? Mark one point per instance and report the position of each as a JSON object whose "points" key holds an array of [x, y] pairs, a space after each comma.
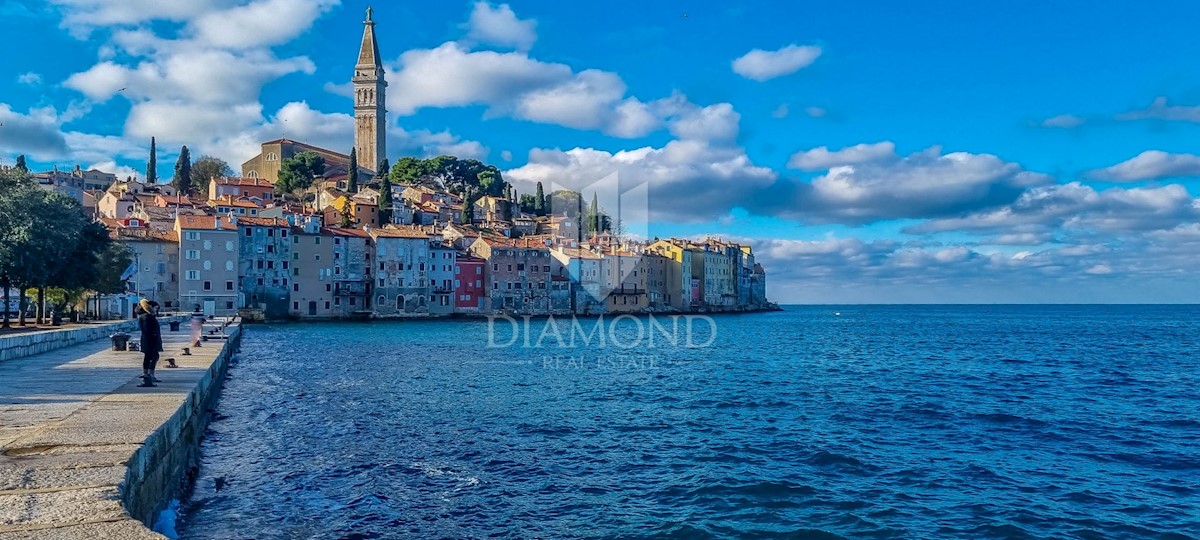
{"points": [[885, 422]]}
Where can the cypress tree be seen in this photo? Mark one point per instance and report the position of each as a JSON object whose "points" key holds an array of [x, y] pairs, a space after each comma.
{"points": [[346, 221], [383, 169], [539, 201], [593, 216], [21, 164], [468, 211], [385, 202], [183, 171], [152, 165], [352, 181]]}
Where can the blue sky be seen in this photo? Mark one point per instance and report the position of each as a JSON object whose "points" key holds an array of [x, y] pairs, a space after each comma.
{"points": [[871, 151]]}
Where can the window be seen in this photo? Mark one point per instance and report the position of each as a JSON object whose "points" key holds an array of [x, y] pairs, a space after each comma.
{"points": [[296, 271], [229, 266], [270, 248], [271, 232], [495, 267], [248, 231], [191, 235], [478, 270], [208, 285], [296, 306], [326, 304], [337, 301], [353, 300], [193, 275], [229, 305], [229, 285], [456, 284], [381, 284], [208, 265], [283, 233], [519, 267], [229, 246], [457, 270], [270, 265], [328, 287], [192, 255], [317, 241], [337, 270]]}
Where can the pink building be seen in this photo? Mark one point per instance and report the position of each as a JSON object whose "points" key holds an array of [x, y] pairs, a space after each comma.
{"points": [[470, 295]]}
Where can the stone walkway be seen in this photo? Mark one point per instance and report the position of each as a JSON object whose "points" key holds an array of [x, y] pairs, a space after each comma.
{"points": [[69, 421]]}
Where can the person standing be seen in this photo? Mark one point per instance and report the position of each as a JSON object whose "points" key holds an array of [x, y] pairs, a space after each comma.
{"points": [[151, 342], [197, 325]]}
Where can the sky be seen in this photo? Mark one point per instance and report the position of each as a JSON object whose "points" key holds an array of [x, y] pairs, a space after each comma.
{"points": [[870, 152]]}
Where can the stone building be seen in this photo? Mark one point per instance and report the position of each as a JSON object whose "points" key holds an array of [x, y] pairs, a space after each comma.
{"points": [[470, 294], [265, 257], [208, 248], [624, 282], [352, 285], [312, 272], [156, 257], [442, 266], [402, 269], [370, 100], [518, 271]]}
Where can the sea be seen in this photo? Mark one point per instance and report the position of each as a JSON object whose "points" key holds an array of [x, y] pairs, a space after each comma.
{"points": [[815, 422]]}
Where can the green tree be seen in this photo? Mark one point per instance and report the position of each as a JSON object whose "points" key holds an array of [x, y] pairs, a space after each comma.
{"points": [[183, 172], [593, 216], [468, 211], [80, 269], [528, 203], [382, 170], [298, 172], [152, 165], [206, 168], [408, 171], [385, 201], [21, 166], [347, 219], [110, 265], [352, 175], [539, 203]]}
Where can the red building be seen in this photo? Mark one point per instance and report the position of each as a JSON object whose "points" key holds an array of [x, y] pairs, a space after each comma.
{"points": [[470, 295]]}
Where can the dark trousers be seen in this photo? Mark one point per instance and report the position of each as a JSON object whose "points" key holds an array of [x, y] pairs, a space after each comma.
{"points": [[150, 360]]}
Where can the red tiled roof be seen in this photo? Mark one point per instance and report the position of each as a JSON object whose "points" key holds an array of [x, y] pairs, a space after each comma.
{"points": [[205, 222]]}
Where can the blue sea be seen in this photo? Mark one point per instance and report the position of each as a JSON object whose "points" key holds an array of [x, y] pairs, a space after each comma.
{"points": [[816, 422]]}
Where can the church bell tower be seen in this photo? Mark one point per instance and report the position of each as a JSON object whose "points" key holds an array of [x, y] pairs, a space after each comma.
{"points": [[370, 112]]}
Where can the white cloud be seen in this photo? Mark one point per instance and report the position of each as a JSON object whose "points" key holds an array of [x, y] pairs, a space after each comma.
{"points": [[780, 112], [865, 185], [1151, 165], [30, 78], [499, 26], [822, 158], [760, 65], [506, 155], [1078, 209], [1063, 121], [816, 112], [81, 16], [260, 23], [1159, 109]]}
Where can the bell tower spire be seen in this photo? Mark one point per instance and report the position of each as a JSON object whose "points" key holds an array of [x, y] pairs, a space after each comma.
{"points": [[370, 112]]}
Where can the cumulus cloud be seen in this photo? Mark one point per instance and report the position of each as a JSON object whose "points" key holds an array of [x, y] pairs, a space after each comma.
{"points": [[823, 158], [869, 183], [1155, 268], [1151, 165], [499, 26], [30, 78], [260, 23], [816, 112], [1063, 121], [516, 85], [760, 65], [695, 177], [1079, 209], [82, 16], [35, 132]]}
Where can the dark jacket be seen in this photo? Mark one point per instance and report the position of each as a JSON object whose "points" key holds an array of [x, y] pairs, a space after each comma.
{"points": [[151, 333]]}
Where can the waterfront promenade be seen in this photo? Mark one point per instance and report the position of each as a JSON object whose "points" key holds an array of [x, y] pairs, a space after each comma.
{"points": [[74, 427]]}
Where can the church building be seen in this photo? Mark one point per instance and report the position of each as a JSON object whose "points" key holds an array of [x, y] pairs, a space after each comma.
{"points": [[370, 123]]}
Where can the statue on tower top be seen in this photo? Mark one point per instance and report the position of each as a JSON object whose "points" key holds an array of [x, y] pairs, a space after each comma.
{"points": [[368, 14]]}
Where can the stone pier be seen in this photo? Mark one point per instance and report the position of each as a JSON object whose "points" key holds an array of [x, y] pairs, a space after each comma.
{"points": [[85, 452]]}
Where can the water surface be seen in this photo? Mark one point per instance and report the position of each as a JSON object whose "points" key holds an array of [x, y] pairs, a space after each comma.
{"points": [[880, 422]]}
